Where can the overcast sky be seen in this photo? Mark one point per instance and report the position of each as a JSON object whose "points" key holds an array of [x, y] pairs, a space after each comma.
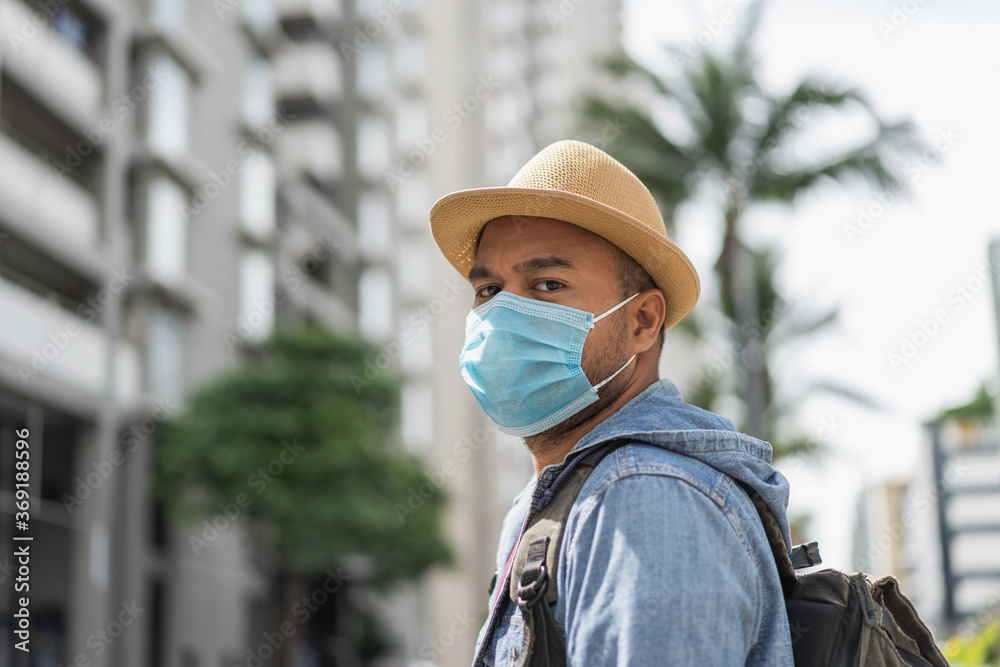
{"points": [[938, 64]]}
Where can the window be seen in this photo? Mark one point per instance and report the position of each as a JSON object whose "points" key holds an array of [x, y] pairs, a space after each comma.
{"points": [[417, 416], [374, 225], [257, 196], [166, 233], [373, 71], [410, 58], [258, 93], [168, 118], [257, 302], [373, 146], [412, 200], [258, 14], [375, 302], [170, 15], [164, 353], [414, 268], [411, 125]]}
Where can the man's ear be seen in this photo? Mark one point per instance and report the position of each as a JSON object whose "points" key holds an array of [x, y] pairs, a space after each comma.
{"points": [[647, 321]]}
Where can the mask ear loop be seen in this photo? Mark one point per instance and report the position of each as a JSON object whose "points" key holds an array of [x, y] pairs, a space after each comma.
{"points": [[608, 312], [612, 377]]}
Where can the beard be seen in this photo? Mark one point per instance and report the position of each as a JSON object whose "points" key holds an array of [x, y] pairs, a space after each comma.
{"points": [[606, 360]]}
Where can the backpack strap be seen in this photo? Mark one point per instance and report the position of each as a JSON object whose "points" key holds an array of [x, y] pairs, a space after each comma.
{"points": [[786, 570], [533, 573]]}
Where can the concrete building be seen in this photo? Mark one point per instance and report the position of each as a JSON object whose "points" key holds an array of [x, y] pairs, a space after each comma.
{"points": [[152, 201], [176, 177]]}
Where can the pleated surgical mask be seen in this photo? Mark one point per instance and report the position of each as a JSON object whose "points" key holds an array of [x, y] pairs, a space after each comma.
{"points": [[522, 361]]}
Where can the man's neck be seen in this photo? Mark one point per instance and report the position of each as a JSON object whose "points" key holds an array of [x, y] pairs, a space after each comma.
{"points": [[549, 451]]}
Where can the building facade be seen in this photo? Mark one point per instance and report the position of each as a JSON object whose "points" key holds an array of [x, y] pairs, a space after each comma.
{"points": [[178, 176]]}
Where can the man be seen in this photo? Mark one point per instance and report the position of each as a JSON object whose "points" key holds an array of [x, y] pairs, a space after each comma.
{"points": [[664, 560]]}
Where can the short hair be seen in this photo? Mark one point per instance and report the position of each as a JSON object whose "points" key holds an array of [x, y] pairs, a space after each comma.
{"points": [[632, 278]]}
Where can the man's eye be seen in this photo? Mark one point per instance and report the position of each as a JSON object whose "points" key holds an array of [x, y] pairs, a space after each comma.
{"points": [[487, 291], [548, 285]]}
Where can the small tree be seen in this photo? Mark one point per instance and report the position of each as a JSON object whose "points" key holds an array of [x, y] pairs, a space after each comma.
{"points": [[287, 440]]}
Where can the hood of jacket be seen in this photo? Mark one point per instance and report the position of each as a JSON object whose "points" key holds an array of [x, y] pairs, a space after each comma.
{"points": [[659, 416]]}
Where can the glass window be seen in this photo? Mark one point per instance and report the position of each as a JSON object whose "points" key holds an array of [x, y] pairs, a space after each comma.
{"points": [[171, 15], [414, 268], [410, 58], [72, 29], [373, 71], [412, 200], [373, 146], [257, 196], [258, 14], [411, 124], [374, 225], [418, 356], [166, 233], [375, 292], [417, 415], [168, 108], [258, 93], [257, 302], [164, 353]]}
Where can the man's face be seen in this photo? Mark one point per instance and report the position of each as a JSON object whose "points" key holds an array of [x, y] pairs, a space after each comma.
{"points": [[554, 261]]}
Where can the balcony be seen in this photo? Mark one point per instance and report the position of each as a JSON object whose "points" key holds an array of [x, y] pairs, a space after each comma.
{"points": [[308, 75], [50, 208], [53, 346], [310, 148], [65, 78], [300, 16]]}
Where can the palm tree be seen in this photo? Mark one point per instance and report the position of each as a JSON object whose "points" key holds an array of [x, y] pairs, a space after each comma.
{"points": [[730, 139]]}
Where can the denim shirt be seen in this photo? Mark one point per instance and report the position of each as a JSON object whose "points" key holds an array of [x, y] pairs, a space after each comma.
{"points": [[664, 560]]}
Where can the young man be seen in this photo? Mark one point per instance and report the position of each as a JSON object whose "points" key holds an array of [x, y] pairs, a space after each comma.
{"points": [[664, 560]]}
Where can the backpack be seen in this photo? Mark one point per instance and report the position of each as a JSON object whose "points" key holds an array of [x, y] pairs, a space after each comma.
{"points": [[835, 619]]}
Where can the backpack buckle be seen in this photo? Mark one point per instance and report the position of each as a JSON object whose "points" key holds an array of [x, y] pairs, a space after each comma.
{"points": [[530, 592]]}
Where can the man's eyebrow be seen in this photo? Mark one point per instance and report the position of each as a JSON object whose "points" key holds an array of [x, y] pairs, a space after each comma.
{"points": [[543, 262], [533, 264]]}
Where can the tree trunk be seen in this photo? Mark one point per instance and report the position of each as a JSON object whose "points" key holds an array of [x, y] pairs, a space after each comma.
{"points": [[736, 273], [293, 589]]}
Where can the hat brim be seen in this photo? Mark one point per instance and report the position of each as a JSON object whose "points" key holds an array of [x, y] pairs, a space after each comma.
{"points": [[457, 221]]}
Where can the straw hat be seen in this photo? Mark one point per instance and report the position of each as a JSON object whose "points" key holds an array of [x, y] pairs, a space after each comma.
{"points": [[577, 183]]}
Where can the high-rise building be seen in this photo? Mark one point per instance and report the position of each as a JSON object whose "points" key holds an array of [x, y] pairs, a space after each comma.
{"points": [[176, 176]]}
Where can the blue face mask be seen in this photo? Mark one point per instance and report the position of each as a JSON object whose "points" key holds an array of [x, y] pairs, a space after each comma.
{"points": [[522, 361]]}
